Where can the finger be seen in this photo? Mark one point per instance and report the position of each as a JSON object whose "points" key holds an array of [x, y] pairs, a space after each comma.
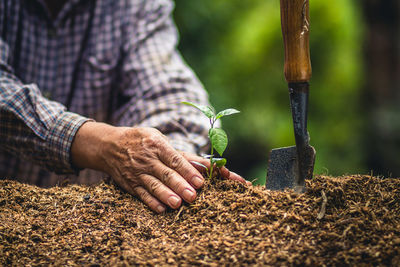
{"points": [[225, 172], [174, 160], [192, 157], [201, 168], [236, 177], [148, 199], [174, 181], [195, 159], [160, 191], [142, 194]]}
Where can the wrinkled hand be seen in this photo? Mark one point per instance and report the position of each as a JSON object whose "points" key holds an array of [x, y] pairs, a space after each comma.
{"points": [[142, 162]]}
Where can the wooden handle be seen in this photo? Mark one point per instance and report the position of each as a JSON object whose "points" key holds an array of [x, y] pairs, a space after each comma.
{"points": [[295, 19]]}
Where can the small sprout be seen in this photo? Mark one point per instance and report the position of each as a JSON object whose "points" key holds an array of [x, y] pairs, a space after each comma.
{"points": [[217, 136]]}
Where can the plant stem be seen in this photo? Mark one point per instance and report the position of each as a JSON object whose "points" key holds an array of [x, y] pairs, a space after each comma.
{"points": [[211, 164], [212, 121]]}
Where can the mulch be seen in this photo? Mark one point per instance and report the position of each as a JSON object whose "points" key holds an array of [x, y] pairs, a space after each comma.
{"points": [[339, 221]]}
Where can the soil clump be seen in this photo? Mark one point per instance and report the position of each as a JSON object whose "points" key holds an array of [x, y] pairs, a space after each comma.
{"points": [[339, 221]]}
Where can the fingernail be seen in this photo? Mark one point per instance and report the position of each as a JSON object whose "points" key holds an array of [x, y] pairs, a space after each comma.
{"points": [[197, 181], [173, 201], [188, 195], [160, 209]]}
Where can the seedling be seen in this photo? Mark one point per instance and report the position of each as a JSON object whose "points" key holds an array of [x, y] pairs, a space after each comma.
{"points": [[217, 136]]}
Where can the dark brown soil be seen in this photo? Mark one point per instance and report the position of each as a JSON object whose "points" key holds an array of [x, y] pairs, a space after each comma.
{"points": [[358, 223]]}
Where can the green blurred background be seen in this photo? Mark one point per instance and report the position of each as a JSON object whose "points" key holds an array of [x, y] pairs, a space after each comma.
{"points": [[236, 49]]}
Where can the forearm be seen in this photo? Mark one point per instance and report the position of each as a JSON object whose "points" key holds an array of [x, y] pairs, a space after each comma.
{"points": [[88, 147]]}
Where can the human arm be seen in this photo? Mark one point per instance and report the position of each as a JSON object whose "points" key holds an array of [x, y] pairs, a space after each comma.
{"points": [[33, 127], [42, 131]]}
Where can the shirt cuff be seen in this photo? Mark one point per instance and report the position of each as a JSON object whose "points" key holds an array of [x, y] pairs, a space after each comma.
{"points": [[59, 141]]}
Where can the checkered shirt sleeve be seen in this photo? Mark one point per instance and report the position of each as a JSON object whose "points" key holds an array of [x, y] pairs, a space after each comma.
{"points": [[33, 127]]}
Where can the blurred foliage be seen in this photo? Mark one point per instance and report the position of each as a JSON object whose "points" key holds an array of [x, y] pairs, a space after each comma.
{"points": [[236, 49]]}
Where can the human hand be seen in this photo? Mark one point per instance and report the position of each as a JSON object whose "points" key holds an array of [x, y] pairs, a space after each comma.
{"points": [[142, 162]]}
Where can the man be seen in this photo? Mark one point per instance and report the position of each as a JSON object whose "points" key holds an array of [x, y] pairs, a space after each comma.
{"points": [[71, 69]]}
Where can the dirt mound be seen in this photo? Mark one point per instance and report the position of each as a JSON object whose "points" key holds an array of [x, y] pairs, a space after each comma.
{"points": [[339, 221]]}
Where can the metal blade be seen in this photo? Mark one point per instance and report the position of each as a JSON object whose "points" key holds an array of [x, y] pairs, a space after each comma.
{"points": [[283, 169]]}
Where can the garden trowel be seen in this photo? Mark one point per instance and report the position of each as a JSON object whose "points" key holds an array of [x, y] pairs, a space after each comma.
{"points": [[288, 167]]}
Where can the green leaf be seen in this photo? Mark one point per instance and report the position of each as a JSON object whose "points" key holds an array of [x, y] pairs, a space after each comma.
{"points": [[208, 111], [219, 140], [219, 162], [226, 112]]}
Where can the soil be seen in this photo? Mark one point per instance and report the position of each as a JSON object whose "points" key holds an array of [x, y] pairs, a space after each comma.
{"points": [[339, 221]]}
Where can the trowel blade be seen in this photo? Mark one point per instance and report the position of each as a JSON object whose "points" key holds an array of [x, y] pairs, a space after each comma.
{"points": [[283, 170]]}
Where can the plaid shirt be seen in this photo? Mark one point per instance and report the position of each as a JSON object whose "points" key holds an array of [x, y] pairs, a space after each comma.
{"points": [[113, 61]]}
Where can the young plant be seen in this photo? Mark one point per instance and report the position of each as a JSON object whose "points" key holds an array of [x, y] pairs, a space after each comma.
{"points": [[217, 136]]}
